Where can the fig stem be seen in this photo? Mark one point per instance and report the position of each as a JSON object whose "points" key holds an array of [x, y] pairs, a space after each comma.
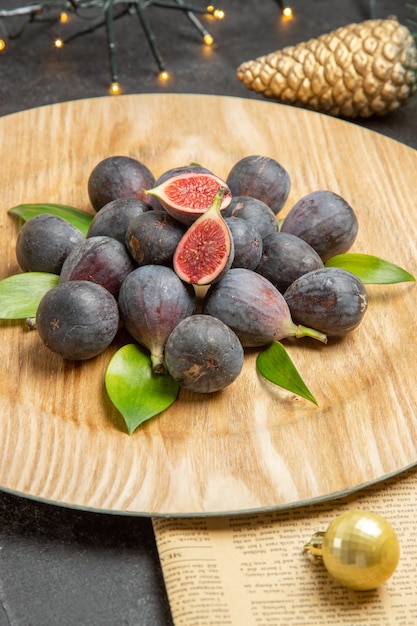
{"points": [[157, 362], [304, 331]]}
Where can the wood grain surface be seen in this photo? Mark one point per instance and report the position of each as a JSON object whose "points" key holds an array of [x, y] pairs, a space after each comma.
{"points": [[250, 447]]}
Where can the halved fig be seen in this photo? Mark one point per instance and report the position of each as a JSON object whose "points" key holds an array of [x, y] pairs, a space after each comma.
{"points": [[206, 250], [187, 196]]}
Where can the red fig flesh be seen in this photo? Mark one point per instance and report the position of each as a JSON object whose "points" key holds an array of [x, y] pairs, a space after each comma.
{"points": [[187, 196], [206, 250]]}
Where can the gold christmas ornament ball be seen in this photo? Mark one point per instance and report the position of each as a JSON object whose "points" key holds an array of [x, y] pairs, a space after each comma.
{"points": [[359, 70], [360, 550]]}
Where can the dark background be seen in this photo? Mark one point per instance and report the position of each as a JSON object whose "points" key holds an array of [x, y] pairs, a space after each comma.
{"points": [[77, 568]]}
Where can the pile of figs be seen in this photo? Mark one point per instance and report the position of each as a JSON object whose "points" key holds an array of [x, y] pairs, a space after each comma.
{"points": [[196, 268]]}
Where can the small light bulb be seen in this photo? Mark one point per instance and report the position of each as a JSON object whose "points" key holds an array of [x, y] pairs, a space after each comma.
{"points": [[63, 18], [218, 14], [208, 39], [58, 43], [163, 75], [114, 88], [210, 8], [2, 45], [287, 13]]}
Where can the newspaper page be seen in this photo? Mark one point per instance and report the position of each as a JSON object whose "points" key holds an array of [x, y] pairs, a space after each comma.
{"points": [[250, 570]]}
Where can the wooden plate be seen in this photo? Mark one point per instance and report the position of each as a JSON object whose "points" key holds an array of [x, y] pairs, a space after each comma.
{"points": [[249, 447]]}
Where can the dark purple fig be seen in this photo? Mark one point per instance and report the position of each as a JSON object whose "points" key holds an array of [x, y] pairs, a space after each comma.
{"points": [[175, 171], [260, 177], [187, 196], [101, 260], [286, 257], [253, 308], [153, 237], [206, 250], [325, 220], [255, 212], [203, 355], [44, 242], [247, 243], [77, 320], [118, 177], [152, 301], [114, 218], [331, 300]]}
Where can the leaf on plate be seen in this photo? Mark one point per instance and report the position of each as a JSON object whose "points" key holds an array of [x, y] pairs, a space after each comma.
{"points": [[370, 269], [275, 365], [20, 294], [76, 217], [135, 390]]}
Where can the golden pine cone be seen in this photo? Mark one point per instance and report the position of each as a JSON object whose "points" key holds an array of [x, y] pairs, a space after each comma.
{"points": [[357, 70]]}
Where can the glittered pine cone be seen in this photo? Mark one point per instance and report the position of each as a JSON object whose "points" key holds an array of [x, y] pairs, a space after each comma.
{"points": [[359, 70]]}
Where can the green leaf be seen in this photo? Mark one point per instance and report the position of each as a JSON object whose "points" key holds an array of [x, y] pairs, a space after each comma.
{"points": [[76, 217], [135, 390], [275, 365], [370, 269], [20, 294]]}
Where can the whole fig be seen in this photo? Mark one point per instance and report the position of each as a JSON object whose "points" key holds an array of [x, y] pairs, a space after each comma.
{"points": [[253, 308], [255, 212], [44, 242], [118, 177], [152, 301], [285, 257], [260, 177], [247, 243], [102, 260], [330, 299], [77, 320], [153, 237], [113, 219], [325, 220], [203, 355]]}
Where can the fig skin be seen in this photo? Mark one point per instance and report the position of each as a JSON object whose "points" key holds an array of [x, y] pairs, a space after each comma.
{"points": [[152, 301], [118, 177], [255, 212], [153, 237], [330, 299], [286, 257], [77, 320], [253, 308], [260, 177], [203, 355], [44, 242], [102, 260], [325, 220], [114, 218], [247, 243]]}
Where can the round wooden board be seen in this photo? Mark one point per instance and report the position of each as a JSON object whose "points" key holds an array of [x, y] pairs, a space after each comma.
{"points": [[250, 447]]}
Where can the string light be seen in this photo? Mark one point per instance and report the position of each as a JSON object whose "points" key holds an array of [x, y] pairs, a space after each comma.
{"points": [[115, 88], [111, 12], [163, 75], [286, 10]]}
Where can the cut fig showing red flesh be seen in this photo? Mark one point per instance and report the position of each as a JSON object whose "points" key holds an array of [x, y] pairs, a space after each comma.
{"points": [[187, 196], [206, 250]]}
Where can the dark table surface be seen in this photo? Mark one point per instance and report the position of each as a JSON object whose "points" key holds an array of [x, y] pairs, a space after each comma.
{"points": [[69, 567]]}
